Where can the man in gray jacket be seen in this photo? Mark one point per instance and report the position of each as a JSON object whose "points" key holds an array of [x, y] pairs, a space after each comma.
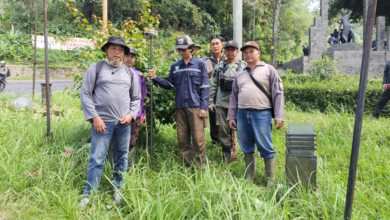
{"points": [[257, 95], [110, 97]]}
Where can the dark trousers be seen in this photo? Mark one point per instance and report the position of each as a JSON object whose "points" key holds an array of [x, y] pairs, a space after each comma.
{"points": [[382, 103], [213, 127]]}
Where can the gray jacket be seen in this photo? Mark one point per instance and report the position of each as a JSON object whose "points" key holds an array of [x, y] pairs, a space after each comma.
{"points": [[276, 93], [115, 94]]}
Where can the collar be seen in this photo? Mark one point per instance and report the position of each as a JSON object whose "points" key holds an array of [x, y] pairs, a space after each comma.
{"points": [[192, 61], [222, 57], [226, 61], [262, 63]]}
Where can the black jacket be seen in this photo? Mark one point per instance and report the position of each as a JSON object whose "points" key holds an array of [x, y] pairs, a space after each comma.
{"points": [[386, 74]]}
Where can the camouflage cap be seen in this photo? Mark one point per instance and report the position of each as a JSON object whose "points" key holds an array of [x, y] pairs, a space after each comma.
{"points": [[183, 42]]}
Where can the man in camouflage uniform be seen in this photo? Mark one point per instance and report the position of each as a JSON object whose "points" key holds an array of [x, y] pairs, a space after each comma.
{"points": [[221, 87]]}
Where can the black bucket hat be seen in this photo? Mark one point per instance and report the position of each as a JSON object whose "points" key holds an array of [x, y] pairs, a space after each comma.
{"points": [[118, 40]]}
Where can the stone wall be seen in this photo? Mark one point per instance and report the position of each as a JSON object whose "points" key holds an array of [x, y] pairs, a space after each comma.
{"points": [[301, 64], [40, 72], [351, 62]]}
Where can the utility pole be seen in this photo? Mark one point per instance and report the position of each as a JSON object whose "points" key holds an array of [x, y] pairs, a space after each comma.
{"points": [[254, 19], [48, 134], [357, 132], [35, 47], [104, 15], [237, 24]]}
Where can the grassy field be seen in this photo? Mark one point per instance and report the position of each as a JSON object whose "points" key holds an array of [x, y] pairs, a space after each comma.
{"points": [[39, 181]]}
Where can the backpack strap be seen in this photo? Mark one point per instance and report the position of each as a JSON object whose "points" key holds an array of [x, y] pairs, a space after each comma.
{"points": [[99, 66]]}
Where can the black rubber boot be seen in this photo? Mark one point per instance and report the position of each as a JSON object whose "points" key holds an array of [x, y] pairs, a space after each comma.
{"points": [[250, 166], [227, 156]]}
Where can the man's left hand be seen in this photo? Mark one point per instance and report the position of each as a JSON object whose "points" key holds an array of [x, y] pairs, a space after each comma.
{"points": [[126, 120], [278, 124], [202, 114]]}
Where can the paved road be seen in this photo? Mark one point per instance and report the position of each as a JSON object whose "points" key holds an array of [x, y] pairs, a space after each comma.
{"points": [[25, 87]]}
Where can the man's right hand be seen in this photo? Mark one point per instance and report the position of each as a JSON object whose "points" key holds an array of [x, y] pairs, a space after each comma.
{"points": [[232, 122], [212, 107], [152, 74], [384, 87], [99, 125]]}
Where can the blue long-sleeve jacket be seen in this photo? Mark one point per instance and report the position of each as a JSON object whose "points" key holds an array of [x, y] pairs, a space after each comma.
{"points": [[191, 83]]}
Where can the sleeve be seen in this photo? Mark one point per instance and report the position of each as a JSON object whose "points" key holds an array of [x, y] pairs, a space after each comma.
{"points": [[166, 83], [135, 96], [386, 73], [233, 104], [214, 82], [204, 88], [277, 94], [144, 93], [86, 97]]}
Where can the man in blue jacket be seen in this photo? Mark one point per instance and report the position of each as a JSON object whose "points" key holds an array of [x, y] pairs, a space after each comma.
{"points": [[189, 77]]}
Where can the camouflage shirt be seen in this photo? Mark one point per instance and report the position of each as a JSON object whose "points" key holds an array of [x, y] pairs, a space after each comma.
{"points": [[223, 96]]}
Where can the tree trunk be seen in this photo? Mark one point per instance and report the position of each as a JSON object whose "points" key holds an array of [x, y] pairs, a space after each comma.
{"points": [[275, 32]]}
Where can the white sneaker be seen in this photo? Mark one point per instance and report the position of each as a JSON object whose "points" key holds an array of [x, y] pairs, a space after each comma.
{"points": [[83, 202], [118, 198]]}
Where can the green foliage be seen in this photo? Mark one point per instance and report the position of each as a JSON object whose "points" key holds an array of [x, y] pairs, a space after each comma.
{"points": [[339, 93], [323, 69]]}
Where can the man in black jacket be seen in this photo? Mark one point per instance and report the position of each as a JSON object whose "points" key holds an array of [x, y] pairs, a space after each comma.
{"points": [[386, 92]]}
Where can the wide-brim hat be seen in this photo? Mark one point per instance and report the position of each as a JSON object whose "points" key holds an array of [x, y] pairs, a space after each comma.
{"points": [[118, 40], [183, 42], [250, 44]]}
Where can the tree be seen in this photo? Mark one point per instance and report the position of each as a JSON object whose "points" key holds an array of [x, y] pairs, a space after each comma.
{"points": [[276, 8]]}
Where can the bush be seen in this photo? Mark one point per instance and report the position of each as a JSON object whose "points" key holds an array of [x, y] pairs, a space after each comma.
{"points": [[339, 93], [324, 68]]}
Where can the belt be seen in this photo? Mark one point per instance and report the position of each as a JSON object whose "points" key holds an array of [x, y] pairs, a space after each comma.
{"points": [[255, 110]]}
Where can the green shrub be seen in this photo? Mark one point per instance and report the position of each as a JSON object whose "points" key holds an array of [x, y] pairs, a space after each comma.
{"points": [[339, 93], [324, 68]]}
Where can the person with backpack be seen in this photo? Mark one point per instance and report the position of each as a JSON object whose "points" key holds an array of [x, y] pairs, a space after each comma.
{"points": [[136, 126], [256, 98], [110, 97], [189, 77], [221, 87]]}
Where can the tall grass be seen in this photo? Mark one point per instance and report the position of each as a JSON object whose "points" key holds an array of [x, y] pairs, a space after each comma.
{"points": [[37, 181]]}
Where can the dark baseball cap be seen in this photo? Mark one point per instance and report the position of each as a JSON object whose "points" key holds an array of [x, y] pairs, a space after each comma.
{"points": [[132, 50], [183, 42], [118, 40], [250, 44], [231, 43]]}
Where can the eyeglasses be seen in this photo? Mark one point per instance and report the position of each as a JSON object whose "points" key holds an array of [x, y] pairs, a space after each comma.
{"points": [[181, 50], [230, 49]]}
